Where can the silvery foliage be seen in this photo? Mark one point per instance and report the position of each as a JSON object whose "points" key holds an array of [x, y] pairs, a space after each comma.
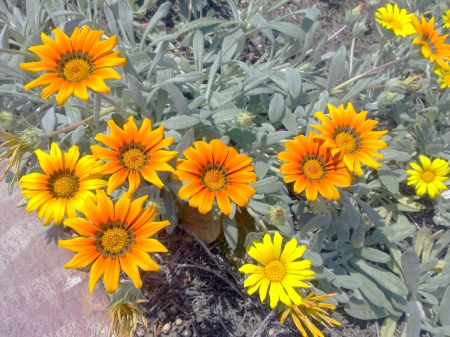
{"points": [[193, 80]]}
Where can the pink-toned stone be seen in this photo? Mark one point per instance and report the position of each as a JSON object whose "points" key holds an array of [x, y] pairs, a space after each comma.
{"points": [[38, 296]]}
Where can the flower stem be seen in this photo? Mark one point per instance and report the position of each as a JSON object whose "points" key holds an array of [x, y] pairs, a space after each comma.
{"points": [[380, 51], [351, 55], [19, 52], [353, 79]]}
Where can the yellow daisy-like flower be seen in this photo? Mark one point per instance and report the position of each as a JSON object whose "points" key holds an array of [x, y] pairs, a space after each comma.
{"points": [[433, 46], [442, 69], [350, 136], [134, 153], [446, 18], [215, 172], [114, 237], [279, 273], [74, 64], [429, 177], [399, 21], [313, 168], [311, 308], [64, 186]]}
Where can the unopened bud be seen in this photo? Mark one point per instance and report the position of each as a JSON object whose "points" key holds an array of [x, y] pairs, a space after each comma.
{"points": [[352, 15], [395, 85], [372, 4], [244, 119], [386, 98], [359, 29], [277, 215], [7, 120]]}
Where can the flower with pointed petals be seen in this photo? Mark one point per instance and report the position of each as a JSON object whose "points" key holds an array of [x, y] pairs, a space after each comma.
{"points": [[350, 136], [311, 308], [429, 177], [63, 187], [280, 273], [446, 18], [433, 47], [215, 172], [134, 153], [395, 19], [114, 237], [74, 64], [312, 168], [442, 69]]}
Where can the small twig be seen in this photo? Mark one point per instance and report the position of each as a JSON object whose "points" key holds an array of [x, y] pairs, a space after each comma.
{"points": [[264, 323], [219, 275], [337, 32], [221, 321]]}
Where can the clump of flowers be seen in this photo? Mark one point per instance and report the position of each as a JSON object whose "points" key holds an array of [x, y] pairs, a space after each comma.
{"points": [[74, 64], [396, 20], [311, 309], [63, 187], [134, 153], [429, 177], [279, 272], [311, 167], [350, 136], [114, 237], [215, 172]]}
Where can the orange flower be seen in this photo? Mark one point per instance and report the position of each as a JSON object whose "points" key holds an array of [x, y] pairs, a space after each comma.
{"points": [[433, 46], [134, 152], [350, 136], [114, 237], [74, 64], [215, 172], [313, 169]]}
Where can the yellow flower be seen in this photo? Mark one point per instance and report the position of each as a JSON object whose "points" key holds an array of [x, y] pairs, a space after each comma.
{"points": [[215, 172], [313, 168], [433, 46], [442, 69], [350, 136], [311, 308], [114, 237], [279, 273], [399, 21], [134, 153], [64, 186], [429, 177], [74, 64], [446, 18]]}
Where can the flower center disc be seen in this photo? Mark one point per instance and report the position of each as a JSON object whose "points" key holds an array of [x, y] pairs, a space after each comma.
{"points": [[214, 179], [428, 176], [63, 184], [313, 169], [346, 142], [133, 157], [76, 69], [275, 271], [396, 25], [115, 240]]}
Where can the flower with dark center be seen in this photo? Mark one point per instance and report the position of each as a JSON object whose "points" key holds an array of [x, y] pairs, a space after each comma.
{"points": [[134, 153], [74, 64], [114, 237], [63, 187]]}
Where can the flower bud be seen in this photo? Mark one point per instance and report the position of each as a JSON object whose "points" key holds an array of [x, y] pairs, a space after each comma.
{"points": [[372, 4], [321, 206], [277, 215], [7, 120], [244, 119], [352, 15], [359, 29]]}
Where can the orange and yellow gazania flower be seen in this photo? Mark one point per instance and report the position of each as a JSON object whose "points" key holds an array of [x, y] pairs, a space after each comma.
{"points": [[64, 185], [74, 64], [433, 47], [134, 153], [280, 273], [350, 136], [312, 167], [446, 18], [395, 19], [215, 172], [442, 69], [429, 178], [311, 308], [114, 237]]}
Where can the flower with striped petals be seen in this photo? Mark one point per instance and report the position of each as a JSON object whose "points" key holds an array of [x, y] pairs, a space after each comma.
{"points": [[215, 172], [74, 64], [350, 136], [63, 187], [114, 237], [134, 153]]}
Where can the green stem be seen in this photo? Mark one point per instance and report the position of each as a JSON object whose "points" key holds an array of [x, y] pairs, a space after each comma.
{"points": [[110, 101], [380, 51], [18, 52], [351, 55], [84, 121], [353, 79]]}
